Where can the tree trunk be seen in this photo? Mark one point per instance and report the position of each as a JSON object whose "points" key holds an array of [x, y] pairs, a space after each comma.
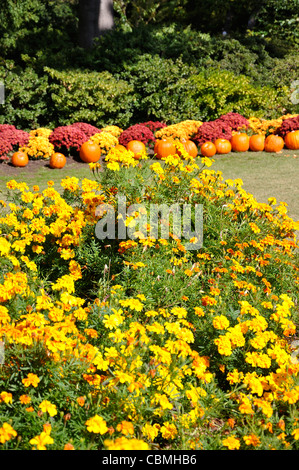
{"points": [[106, 19], [95, 18]]}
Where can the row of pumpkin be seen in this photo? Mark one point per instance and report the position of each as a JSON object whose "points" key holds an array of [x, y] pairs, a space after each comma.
{"points": [[90, 152]]}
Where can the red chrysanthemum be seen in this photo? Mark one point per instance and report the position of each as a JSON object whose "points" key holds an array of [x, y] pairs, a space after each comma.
{"points": [[72, 137], [212, 130], [137, 132], [288, 125], [235, 120], [153, 125], [10, 140]]}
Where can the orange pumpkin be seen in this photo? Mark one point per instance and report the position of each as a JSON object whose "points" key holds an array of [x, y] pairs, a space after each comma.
{"points": [[137, 147], [240, 142], [257, 142], [208, 149], [57, 160], [274, 143], [190, 147], [120, 147], [19, 159], [223, 146], [90, 152], [164, 148], [292, 140]]}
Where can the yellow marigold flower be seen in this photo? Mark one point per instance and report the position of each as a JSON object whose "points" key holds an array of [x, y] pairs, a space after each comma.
{"points": [[7, 432], [6, 397], [113, 320], [41, 132], [4, 247], [157, 168], [245, 405], [254, 382], [234, 377], [295, 433], [75, 269], [291, 396], [151, 431], [114, 130], [231, 443], [41, 441], [220, 322], [224, 345], [114, 166], [163, 401], [265, 406], [31, 379], [38, 146], [66, 283], [106, 140], [199, 311], [97, 425], [258, 360], [180, 312], [11, 184], [133, 304], [254, 227], [123, 443], [70, 183], [168, 430], [48, 407]]}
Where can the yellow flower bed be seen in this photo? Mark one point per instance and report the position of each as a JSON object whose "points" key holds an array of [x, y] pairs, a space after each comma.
{"points": [[39, 145], [139, 343]]}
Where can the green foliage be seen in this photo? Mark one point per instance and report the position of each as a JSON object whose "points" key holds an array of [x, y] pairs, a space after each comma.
{"points": [[33, 25], [158, 84], [96, 98], [25, 97], [217, 92], [278, 20], [172, 91]]}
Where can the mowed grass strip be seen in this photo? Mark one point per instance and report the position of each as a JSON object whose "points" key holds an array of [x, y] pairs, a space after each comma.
{"points": [[263, 174], [39, 173]]}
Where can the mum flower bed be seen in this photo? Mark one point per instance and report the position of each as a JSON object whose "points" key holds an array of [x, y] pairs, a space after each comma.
{"points": [[140, 343]]}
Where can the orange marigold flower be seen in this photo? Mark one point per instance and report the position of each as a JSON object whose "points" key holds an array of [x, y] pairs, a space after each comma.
{"points": [[125, 427], [7, 432], [6, 397], [81, 401], [69, 446], [25, 399], [31, 379], [252, 440]]}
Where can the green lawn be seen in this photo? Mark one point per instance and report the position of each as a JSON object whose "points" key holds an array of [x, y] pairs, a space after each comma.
{"points": [[38, 172], [264, 174]]}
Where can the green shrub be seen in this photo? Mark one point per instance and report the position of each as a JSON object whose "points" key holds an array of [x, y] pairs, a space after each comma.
{"points": [[158, 84], [171, 91], [25, 97], [217, 92], [97, 98]]}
